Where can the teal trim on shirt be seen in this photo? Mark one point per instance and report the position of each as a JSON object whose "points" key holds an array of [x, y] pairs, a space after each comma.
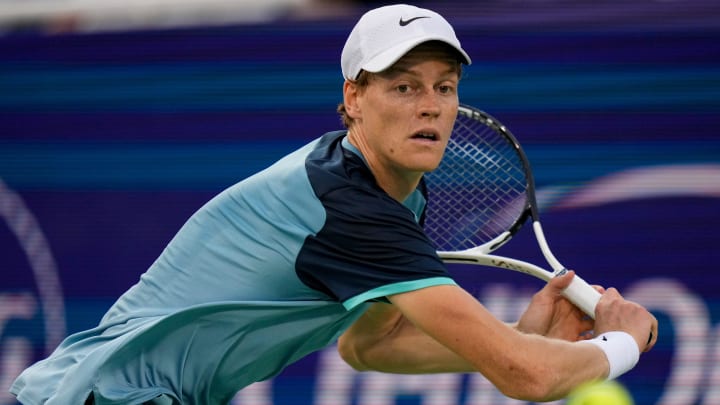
{"points": [[396, 288], [347, 145]]}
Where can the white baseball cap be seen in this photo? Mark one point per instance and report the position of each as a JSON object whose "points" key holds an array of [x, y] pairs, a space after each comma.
{"points": [[383, 35]]}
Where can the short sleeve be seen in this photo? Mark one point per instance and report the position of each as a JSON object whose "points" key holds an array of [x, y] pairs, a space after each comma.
{"points": [[370, 246]]}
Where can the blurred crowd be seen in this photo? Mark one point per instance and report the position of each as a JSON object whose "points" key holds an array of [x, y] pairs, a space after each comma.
{"points": [[64, 16], [61, 16]]}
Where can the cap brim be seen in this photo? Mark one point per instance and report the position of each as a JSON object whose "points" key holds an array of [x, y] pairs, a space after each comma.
{"points": [[388, 57]]}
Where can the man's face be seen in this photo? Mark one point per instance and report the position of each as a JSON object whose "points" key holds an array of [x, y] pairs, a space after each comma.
{"points": [[406, 114]]}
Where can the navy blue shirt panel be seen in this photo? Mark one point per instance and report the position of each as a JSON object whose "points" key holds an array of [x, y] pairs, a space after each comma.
{"points": [[369, 239]]}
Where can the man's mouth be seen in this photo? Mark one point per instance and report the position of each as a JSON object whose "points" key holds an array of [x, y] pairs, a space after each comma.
{"points": [[426, 135]]}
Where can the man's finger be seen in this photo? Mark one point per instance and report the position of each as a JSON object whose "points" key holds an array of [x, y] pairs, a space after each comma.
{"points": [[561, 282]]}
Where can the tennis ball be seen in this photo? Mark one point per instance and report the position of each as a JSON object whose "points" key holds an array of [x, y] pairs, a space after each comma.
{"points": [[600, 393]]}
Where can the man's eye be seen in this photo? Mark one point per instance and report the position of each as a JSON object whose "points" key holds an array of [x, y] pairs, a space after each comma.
{"points": [[403, 88], [445, 89]]}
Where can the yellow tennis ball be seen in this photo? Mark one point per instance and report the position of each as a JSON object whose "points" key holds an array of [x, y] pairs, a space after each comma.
{"points": [[600, 393]]}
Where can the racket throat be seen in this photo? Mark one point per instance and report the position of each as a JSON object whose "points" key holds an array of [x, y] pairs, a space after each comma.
{"points": [[558, 268]]}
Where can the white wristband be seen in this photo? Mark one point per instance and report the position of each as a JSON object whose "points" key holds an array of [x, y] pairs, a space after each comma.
{"points": [[620, 349]]}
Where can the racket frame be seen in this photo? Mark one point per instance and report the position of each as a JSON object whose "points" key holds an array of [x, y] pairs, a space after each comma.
{"points": [[579, 291]]}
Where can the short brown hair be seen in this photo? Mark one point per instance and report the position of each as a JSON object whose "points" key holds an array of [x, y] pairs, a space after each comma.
{"points": [[362, 81]]}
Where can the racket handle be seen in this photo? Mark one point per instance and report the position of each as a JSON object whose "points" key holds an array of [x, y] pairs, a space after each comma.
{"points": [[583, 295]]}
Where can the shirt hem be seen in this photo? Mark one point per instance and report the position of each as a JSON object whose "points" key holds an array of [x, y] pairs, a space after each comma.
{"points": [[396, 288]]}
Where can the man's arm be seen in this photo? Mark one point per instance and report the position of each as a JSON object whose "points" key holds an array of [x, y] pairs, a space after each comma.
{"points": [[384, 333], [522, 366], [459, 334], [384, 340]]}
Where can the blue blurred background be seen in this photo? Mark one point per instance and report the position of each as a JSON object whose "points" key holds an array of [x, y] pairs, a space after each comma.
{"points": [[114, 130]]}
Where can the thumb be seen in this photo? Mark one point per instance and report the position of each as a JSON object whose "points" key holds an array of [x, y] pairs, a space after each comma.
{"points": [[560, 283]]}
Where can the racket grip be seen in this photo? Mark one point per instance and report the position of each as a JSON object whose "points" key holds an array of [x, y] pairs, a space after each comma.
{"points": [[583, 295]]}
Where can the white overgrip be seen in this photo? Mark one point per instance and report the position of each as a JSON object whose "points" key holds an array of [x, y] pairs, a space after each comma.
{"points": [[583, 295]]}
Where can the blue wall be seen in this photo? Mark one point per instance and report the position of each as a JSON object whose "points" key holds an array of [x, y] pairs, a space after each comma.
{"points": [[108, 142]]}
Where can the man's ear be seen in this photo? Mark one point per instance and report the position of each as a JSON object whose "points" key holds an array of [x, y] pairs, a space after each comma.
{"points": [[350, 99]]}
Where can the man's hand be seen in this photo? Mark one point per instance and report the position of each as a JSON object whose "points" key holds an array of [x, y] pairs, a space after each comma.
{"points": [[552, 315], [616, 313]]}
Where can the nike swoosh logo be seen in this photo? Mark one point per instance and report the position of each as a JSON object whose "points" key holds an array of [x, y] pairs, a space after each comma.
{"points": [[406, 22]]}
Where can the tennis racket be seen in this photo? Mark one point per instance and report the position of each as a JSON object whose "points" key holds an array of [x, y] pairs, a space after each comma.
{"points": [[481, 195]]}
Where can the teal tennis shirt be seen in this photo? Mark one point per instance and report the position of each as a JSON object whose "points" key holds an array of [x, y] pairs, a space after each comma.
{"points": [[273, 268]]}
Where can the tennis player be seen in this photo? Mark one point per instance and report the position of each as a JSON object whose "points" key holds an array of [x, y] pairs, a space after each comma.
{"points": [[328, 243]]}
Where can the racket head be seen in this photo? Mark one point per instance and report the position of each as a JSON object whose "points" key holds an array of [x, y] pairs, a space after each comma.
{"points": [[482, 192]]}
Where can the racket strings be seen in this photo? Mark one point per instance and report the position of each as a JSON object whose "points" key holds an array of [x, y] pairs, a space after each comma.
{"points": [[479, 190]]}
